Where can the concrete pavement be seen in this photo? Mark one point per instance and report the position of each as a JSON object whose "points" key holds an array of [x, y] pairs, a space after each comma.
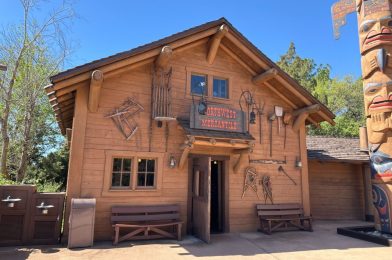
{"points": [[323, 243]]}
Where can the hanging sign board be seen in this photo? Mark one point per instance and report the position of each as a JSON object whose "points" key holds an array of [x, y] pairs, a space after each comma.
{"points": [[219, 118]]}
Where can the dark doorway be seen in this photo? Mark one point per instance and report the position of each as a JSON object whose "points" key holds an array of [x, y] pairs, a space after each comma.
{"points": [[217, 192]]}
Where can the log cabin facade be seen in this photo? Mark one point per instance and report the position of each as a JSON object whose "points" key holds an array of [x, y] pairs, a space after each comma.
{"points": [[186, 120]]}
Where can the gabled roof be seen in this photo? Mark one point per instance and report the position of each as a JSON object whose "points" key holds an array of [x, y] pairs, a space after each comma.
{"points": [[335, 149], [61, 91]]}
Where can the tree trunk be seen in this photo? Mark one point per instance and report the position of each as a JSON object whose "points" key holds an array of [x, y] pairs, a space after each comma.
{"points": [[21, 172], [5, 136]]}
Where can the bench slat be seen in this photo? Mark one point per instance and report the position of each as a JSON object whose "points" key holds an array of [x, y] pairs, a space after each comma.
{"points": [[145, 209], [279, 206], [279, 212], [155, 217]]}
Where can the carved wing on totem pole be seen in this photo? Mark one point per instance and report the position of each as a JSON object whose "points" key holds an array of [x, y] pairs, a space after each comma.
{"points": [[339, 12]]}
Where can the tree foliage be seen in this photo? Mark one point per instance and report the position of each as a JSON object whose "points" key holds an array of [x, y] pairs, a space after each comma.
{"points": [[343, 96], [33, 50]]}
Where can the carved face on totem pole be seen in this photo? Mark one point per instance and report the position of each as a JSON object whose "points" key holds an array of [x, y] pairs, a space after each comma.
{"points": [[375, 39], [375, 42]]}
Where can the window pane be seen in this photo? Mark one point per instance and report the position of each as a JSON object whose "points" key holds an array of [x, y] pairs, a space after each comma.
{"points": [[125, 179], [198, 83], [116, 179], [127, 165], [220, 88], [141, 177], [151, 165], [150, 180], [142, 165], [117, 164]]}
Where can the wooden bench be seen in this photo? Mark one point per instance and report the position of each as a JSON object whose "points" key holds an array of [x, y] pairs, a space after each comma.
{"points": [[146, 222], [273, 217]]}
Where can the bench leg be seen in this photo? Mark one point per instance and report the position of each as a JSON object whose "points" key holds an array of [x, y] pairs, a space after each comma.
{"points": [[116, 235], [179, 226], [269, 227], [310, 225]]}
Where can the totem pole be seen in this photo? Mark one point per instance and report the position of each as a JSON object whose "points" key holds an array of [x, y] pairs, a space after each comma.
{"points": [[375, 40]]}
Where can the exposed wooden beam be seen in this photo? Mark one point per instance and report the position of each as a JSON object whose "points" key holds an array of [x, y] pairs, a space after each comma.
{"points": [[265, 76], [243, 159], [134, 59], [163, 59], [95, 90], [222, 144], [186, 148], [215, 42], [302, 114]]}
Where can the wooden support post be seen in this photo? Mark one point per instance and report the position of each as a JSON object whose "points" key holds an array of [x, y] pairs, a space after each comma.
{"points": [[163, 58], [68, 133], [302, 114], [95, 90], [264, 77], [215, 42], [363, 139], [75, 164], [304, 171]]}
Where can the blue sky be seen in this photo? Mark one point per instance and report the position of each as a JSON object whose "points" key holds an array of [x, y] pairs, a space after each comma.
{"points": [[107, 27]]}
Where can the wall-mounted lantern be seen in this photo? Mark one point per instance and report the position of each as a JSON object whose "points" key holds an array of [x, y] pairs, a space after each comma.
{"points": [[10, 201], [252, 118], [172, 162], [298, 163], [44, 208]]}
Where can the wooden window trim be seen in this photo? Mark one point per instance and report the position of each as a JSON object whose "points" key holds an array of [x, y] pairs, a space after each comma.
{"points": [[210, 73], [133, 191]]}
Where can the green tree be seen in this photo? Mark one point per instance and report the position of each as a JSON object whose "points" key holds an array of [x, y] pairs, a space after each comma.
{"points": [[33, 51], [343, 97], [300, 69]]}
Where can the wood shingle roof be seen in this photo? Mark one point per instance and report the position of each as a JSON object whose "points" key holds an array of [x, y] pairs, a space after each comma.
{"points": [[335, 149]]}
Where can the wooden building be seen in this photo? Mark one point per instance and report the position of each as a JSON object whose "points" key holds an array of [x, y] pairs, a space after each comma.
{"points": [[154, 124], [339, 179]]}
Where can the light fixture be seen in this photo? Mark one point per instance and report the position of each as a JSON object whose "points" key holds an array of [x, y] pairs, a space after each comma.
{"points": [[215, 162], [172, 162], [10, 201], [44, 208], [298, 163], [202, 108], [252, 118]]}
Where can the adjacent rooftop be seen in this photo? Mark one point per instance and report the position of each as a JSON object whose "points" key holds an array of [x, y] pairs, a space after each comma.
{"points": [[335, 149]]}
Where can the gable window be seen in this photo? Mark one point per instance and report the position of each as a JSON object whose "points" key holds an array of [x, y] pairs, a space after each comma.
{"points": [[199, 84], [220, 88], [146, 173], [121, 172]]}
